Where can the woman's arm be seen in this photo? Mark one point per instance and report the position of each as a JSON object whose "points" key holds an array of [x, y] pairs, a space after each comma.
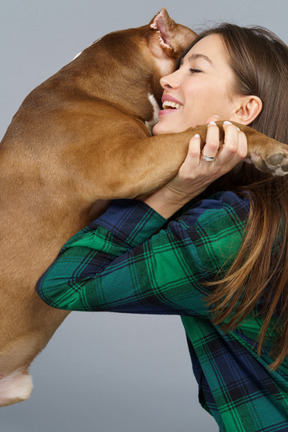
{"points": [[116, 264], [196, 174], [122, 263]]}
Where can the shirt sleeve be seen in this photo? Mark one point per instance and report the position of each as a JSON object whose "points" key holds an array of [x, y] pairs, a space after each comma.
{"points": [[132, 260]]}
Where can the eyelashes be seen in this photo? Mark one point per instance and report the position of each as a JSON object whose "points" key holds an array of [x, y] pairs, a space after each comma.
{"points": [[195, 70]]}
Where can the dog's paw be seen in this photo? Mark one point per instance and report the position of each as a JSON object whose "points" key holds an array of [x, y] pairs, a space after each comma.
{"points": [[275, 163]]}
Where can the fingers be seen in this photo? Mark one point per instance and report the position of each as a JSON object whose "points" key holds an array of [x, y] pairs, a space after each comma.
{"points": [[212, 118], [233, 150], [195, 156], [196, 173], [213, 157], [211, 147], [235, 145], [191, 162]]}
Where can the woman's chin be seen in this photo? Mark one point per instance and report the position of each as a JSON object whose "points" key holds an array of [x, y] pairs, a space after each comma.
{"points": [[160, 129], [167, 126], [155, 129]]}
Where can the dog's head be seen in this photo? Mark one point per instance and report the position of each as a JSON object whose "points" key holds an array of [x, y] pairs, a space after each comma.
{"points": [[125, 66], [166, 41]]}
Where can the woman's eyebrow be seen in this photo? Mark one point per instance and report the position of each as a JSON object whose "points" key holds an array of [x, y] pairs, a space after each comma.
{"points": [[195, 57]]}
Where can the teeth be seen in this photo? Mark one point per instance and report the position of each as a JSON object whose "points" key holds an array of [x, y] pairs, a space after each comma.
{"points": [[171, 104]]}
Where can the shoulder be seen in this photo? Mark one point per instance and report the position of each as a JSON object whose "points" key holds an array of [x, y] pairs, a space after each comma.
{"points": [[216, 225]]}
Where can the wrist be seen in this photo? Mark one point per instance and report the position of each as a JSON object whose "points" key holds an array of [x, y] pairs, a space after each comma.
{"points": [[165, 202]]}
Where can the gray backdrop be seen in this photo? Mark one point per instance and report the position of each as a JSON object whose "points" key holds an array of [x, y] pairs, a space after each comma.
{"points": [[106, 372]]}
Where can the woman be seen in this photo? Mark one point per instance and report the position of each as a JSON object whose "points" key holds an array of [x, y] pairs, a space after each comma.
{"points": [[220, 261]]}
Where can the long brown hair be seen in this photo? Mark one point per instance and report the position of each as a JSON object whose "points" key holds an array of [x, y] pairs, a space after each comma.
{"points": [[258, 279]]}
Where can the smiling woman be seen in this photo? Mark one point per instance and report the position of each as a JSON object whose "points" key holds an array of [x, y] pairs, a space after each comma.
{"points": [[219, 258], [203, 85]]}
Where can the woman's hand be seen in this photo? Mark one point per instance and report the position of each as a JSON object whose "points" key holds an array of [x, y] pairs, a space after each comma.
{"points": [[196, 173]]}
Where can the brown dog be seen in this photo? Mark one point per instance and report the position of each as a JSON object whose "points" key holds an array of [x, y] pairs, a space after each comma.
{"points": [[78, 139]]}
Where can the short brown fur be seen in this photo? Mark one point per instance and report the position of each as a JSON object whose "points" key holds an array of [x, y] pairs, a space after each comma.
{"points": [[78, 140]]}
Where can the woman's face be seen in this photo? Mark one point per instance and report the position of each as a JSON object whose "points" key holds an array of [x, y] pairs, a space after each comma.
{"points": [[200, 88]]}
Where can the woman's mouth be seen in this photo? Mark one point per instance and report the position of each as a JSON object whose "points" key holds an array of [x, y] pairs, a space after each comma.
{"points": [[168, 104]]}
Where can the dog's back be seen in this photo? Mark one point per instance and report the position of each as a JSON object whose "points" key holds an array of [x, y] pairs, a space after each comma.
{"points": [[57, 160]]}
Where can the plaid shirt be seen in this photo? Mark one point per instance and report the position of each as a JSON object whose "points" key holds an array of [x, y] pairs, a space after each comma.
{"points": [[131, 260]]}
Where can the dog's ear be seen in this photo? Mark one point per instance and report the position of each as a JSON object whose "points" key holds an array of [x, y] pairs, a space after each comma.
{"points": [[166, 41], [168, 38]]}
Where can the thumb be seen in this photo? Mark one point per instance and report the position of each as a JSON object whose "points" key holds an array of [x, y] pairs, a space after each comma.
{"points": [[212, 118]]}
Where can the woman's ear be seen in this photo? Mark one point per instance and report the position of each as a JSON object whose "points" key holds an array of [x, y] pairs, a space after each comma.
{"points": [[247, 109]]}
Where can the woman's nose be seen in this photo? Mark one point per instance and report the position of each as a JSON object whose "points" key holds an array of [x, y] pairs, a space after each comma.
{"points": [[170, 81]]}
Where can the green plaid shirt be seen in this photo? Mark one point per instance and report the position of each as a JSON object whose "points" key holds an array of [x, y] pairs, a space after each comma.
{"points": [[132, 260]]}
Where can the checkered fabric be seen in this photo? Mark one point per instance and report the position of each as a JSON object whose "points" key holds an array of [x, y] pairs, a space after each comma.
{"points": [[132, 260]]}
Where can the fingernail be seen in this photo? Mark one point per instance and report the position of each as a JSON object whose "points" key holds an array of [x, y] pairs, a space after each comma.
{"points": [[212, 123], [227, 122], [196, 136], [238, 129]]}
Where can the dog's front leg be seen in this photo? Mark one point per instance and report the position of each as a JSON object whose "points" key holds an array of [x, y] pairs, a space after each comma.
{"points": [[133, 165]]}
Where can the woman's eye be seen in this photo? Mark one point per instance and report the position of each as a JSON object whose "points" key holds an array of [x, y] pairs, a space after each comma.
{"points": [[195, 70]]}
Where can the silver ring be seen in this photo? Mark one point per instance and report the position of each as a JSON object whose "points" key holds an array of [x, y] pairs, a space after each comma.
{"points": [[208, 158]]}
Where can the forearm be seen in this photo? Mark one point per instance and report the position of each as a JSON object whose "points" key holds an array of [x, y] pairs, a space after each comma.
{"points": [[90, 258], [167, 204], [125, 262], [196, 173]]}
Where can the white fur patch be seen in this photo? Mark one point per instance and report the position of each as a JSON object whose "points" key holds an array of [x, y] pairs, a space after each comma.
{"points": [[15, 387], [156, 109]]}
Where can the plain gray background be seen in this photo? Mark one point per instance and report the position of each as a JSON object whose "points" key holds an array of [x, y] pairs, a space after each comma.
{"points": [[106, 372]]}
